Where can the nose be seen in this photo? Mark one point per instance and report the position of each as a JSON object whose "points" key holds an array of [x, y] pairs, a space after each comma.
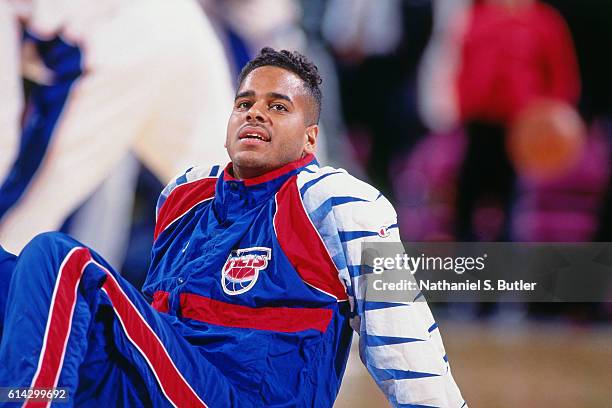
{"points": [[255, 114]]}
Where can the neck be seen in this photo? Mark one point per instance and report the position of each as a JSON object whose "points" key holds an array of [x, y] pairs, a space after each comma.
{"points": [[243, 173], [255, 176]]}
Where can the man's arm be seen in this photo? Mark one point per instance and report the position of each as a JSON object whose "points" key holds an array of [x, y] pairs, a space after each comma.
{"points": [[400, 343]]}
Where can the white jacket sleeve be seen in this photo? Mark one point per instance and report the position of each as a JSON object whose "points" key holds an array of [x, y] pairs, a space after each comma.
{"points": [[400, 343]]}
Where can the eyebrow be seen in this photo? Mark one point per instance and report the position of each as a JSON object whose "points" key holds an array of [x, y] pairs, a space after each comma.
{"points": [[273, 95], [276, 95], [244, 94]]}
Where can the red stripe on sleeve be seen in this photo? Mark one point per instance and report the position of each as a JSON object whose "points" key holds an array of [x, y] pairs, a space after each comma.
{"points": [[302, 244], [171, 381], [182, 199], [280, 319]]}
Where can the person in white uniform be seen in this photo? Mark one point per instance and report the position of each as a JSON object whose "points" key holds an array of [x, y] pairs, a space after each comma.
{"points": [[111, 77]]}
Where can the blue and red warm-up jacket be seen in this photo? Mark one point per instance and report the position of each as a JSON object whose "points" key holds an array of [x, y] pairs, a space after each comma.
{"points": [[262, 274]]}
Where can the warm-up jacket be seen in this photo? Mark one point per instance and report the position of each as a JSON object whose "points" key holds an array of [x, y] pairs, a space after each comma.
{"points": [[264, 275]]}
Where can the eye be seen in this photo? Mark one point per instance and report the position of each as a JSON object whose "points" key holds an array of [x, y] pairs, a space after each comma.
{"points": [[243, 105], [278, 107]]}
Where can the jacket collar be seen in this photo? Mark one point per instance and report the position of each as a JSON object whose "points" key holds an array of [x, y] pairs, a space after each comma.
{"points": [[271, 175], [234, 197]]}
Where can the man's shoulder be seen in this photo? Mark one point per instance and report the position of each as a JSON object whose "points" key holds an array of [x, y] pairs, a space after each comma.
{"points": [[193, 179], [328, 182], [356, 208]]}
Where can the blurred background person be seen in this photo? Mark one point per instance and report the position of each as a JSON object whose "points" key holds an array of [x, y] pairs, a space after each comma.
{"points": [[107, 77], [562, 173], [513, 53], [377, 46]]}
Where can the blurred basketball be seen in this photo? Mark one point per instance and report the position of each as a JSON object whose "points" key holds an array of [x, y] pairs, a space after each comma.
{"points": [[546, 139]]}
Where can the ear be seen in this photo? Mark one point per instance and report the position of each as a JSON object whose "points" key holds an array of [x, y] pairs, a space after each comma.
{"points": [[310, 145]]}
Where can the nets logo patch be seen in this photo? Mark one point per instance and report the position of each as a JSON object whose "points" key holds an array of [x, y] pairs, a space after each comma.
{"points": [[242, 268]]}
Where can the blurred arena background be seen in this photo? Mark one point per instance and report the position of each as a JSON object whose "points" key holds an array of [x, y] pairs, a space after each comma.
{"points": [[483, 120]]}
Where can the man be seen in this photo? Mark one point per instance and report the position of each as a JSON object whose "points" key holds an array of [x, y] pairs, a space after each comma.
{"points": [[252, 281]]}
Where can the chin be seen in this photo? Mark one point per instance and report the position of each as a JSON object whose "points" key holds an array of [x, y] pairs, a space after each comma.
{"points": [[249, 159], [254, 162]]}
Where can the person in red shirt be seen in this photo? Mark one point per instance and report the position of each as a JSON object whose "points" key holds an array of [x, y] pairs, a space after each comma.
{"points": [[513, 52]]}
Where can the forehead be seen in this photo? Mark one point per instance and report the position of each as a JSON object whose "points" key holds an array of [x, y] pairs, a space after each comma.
{"points": [[269, 79]]}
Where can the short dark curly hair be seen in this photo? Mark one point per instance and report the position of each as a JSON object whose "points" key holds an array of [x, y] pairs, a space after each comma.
{"points": [[291, 61]]}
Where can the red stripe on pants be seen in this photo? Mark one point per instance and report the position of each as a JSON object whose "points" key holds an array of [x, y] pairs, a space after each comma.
{"points": [[59, 321], [171, 381]]}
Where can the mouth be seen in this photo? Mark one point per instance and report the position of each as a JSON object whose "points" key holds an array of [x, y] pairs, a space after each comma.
{"points": [[254, 134]]}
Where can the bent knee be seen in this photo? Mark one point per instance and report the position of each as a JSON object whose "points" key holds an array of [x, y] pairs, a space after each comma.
{"points": [[50, 243]]}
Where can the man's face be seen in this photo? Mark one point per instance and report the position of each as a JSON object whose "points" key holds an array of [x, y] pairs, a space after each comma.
{"points": [[270, 124]]}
